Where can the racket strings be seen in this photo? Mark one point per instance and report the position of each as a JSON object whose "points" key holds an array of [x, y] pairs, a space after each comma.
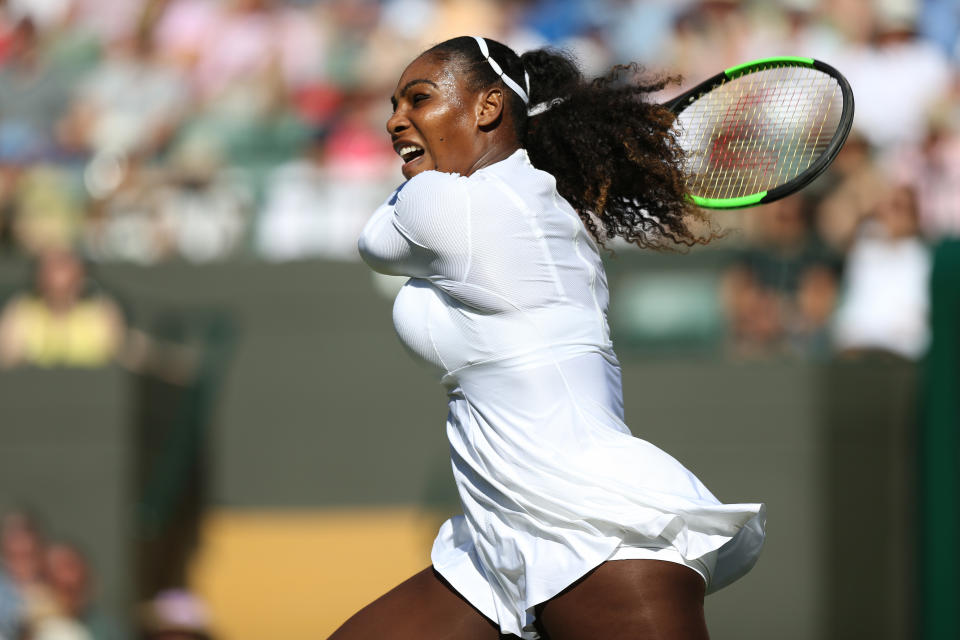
{"points": [[759, 130]]}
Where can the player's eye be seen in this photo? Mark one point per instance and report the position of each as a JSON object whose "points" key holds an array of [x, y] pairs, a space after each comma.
{"points": [[419, 97]]}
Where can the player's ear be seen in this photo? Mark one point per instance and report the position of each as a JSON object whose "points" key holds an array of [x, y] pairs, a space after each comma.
{"points": [[489, 107]]}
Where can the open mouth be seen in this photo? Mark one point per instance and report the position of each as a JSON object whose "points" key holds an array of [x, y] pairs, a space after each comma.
{"points": [[410, 152]]}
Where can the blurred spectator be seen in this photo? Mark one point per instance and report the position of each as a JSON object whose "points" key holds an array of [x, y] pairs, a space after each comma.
{"points": [[123, 222], [754, 317], [69, 578], [43, 13], [253, 62], [933, 168], [23, 595], [61, 322], [885, 301], [45, 207], [182, 29], [9, 176], [364, 47], [10, 614], [229, 44], [592, 51], [16, 543], [938, 184], [109, 20], [794, 27], [780, 294], [854, 19], [252, 142], [8, 30], [708, 35], [808, 327], [33, 96], [848, 192], [784, 244], [894, 56], [456, 17], [129, 103], [356, 147], [295, 221], [45, 589], [175, 615], [202, 211], [316, 205]]}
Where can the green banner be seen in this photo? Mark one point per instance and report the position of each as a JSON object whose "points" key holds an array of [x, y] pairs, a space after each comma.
{"points": [[940, 454]]}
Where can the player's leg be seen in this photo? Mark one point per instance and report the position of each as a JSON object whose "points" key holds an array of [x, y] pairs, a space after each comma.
{"points": [[635, 599], [424, 607]]}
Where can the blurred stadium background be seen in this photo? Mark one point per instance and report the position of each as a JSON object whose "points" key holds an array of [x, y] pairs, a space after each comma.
{"points": [[207, 425]]}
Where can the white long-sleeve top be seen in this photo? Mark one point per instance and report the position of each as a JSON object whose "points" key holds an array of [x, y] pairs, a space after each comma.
{"points": [[507, 299]]}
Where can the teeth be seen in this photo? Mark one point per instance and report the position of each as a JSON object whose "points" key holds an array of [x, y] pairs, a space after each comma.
{"points": [[407, 150]]}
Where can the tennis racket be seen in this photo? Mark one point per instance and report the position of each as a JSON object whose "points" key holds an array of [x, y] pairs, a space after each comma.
{"points": [[761, 130]]}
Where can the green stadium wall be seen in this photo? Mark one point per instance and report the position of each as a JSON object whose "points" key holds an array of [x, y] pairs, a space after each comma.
{"points": [[309, 424]]}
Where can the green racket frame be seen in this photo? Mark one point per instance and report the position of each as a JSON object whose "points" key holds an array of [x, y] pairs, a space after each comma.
{"points": [[681, 102]]}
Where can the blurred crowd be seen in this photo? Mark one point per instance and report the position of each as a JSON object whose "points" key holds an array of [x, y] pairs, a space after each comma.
{"points": [[203, 130], [48, 592]]}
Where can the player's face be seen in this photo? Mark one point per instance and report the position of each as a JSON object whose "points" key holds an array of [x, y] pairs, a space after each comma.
{"points": [[434, 123]]}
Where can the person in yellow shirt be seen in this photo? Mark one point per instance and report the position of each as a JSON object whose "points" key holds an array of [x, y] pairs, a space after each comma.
{"points": [[59, 324]]}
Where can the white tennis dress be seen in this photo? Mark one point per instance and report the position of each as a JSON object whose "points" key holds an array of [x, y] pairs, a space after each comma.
{"points": [[507, 298]]}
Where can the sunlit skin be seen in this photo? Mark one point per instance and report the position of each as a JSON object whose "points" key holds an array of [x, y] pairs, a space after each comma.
{"points": [[459, 131]]}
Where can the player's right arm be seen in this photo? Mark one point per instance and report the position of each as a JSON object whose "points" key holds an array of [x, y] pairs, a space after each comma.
{"points": [[422, 231]]}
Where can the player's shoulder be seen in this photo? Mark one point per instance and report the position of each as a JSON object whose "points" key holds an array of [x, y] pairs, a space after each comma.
{"points": [[430, 181], [432, 191], [454, 189]]}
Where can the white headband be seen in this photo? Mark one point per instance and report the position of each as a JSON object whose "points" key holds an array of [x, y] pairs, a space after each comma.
{"points": [[507, 80]]}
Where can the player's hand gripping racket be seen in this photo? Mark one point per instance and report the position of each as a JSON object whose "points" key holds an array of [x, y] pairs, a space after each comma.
{"points": [[761, 130]]}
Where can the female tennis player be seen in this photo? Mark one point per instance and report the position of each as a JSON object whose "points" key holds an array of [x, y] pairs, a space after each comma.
{"points": [[517, 171]]}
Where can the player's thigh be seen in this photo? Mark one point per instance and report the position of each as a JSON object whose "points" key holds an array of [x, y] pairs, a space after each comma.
{"points": [[424, 607], [635, 599]]}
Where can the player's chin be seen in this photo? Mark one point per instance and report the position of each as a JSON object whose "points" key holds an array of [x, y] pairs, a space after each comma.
{"points": [[415, 166]]}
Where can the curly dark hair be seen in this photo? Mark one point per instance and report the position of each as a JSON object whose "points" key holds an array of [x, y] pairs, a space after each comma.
{"points": [[613, 152]]}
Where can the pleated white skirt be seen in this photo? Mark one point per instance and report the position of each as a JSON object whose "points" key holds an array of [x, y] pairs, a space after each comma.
{"points": [[552, 484]]}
